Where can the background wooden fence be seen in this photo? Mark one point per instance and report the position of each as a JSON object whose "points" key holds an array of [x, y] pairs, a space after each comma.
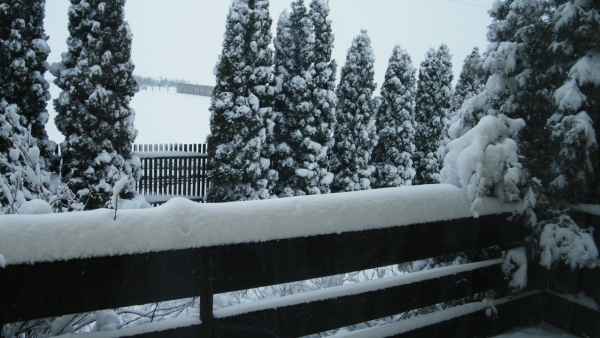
{"points": [[194, 89], [170, 170]]}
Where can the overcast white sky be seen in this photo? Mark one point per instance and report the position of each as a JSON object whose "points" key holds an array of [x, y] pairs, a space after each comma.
{"points": [[182, 38]]}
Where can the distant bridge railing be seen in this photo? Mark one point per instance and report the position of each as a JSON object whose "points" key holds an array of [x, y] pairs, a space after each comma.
{"points": [[172, 170], [80, 285]]}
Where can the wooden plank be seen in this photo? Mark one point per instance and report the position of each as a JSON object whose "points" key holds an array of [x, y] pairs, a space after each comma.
{"points": [[249, 265], [571, 317], [206, 299], [521, 312], [51, 289], [193, 331], [329, 314]]}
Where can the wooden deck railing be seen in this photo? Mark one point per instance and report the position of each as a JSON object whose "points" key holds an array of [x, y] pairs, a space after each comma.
{"points": [[30, 291]]}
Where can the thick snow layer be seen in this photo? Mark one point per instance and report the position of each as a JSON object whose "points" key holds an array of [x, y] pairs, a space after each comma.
{"points": [[427, 319], [35, 207], [484, 161], [137, 330], [350, 289], [515, 267], [181, 224]]}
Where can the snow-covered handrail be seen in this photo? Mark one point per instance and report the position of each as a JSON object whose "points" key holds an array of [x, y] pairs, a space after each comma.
{"points": [[182, 224]]}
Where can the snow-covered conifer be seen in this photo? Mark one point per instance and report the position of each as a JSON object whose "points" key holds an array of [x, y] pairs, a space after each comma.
{"points": [[574, 125], [303, 101], [93, 111], [433, 99], [392, 156], [23, 54], [355, 134], [241, 120], [471, 80]]}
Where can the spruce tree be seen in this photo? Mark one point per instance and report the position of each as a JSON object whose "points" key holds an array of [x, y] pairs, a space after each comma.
{"points": [[392, 156], [23, 54], [241, 117], [433, 99], [355, 135], [93, 111], [471, 80]]}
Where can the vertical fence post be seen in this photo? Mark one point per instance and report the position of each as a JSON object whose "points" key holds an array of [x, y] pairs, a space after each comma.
{"points": [[206, 296]]}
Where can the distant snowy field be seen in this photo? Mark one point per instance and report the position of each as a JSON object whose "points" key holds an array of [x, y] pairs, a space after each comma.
{"points": [[160, 117]]}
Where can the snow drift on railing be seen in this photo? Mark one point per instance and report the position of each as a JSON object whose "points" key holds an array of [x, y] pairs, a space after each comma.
{"points": [[182, 224]]}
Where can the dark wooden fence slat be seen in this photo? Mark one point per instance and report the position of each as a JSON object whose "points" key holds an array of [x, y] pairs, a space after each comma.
{"points": [[180, 332], [348, 310], [571, 317], [206, 299], [249, 265], [82, 285]]}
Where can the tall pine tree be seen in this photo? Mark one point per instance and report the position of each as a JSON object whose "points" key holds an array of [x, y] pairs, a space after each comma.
{"points": [[93, 109], [241, 116], [392, 156], [433, 101], [23, 54], [355, 135]]}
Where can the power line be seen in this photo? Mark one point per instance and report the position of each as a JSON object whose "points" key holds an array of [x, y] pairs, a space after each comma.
{"points": [[468, 3]]}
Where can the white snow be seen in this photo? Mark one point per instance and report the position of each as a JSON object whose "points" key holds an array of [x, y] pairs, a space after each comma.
{"points": [[350, 289], [35, 207], [427, 319], [181, 224], [540, 331], [160, 117], [593, 209], [165, 198], [116, 190], [484, 161], [515, 267], [580, 298], [562, 239], [137, 330]]}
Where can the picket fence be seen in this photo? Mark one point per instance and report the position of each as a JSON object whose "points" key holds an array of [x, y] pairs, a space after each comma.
{"points": [[170, 170]]}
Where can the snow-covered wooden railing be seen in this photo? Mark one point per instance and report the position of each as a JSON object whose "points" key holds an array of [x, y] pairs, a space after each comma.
{"points": [[71, 263], [171, 170]]}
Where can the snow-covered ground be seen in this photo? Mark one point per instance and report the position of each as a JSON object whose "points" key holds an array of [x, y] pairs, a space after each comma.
{"points": [[160, 117]]}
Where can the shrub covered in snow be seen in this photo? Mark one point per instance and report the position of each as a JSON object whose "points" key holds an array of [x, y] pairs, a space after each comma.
{"points": [[485, 161], [562, 240]]}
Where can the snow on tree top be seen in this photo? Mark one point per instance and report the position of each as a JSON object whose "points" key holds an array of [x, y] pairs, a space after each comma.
{"points": [[182, 224]]}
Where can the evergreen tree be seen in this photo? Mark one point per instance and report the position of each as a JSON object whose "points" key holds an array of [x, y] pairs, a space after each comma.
{"points": [[303, 104], [23, 54], [93, 109], [396, 123], [355, 135], [241, 120], [433, 99], [471, 80], [574, 176]]}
